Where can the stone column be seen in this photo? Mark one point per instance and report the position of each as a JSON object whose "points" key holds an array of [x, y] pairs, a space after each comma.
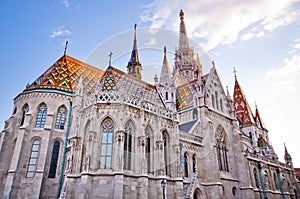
{"points": [[119, 138], [160, 159], [143, 162]]}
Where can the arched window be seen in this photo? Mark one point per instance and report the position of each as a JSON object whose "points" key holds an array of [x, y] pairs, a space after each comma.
{"points": [[127, 145], [276, 181], [54, 159], [256, 177], [41, 116], [106, 144], [213, 100], [194, 163], [148, 133], [217, 103], [60, 118], [186, 174], [33, 159], [221, 150], [24, 111], [221, 104], [167, 96], [166, 151]]}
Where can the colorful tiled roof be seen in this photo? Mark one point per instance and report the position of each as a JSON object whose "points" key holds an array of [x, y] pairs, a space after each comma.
{"points": [[185, 95], [262, 143], [258, 119], [117, 80], [241, 106], [64, 75]]}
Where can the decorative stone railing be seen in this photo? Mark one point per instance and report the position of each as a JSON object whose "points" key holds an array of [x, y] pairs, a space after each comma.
{"points": [[190, 138], [131, 100]]}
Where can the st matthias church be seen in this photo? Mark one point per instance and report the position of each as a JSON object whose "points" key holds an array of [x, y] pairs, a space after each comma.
{"points": [[80, 132]]}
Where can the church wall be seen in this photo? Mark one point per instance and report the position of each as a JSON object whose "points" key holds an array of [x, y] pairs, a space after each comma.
{"points": [[17, 184]]}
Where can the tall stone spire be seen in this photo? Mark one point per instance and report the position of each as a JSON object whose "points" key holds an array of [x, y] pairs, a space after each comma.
{"points": [[186, 64], [183, 40], [165, 75], [287, 156], [134, 66]]}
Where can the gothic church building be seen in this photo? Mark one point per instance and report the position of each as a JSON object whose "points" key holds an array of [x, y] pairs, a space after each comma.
{"points": [[81, 132]]}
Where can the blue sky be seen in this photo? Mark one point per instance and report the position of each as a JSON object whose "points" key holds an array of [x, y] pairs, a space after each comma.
{"points": [[260, 38]]}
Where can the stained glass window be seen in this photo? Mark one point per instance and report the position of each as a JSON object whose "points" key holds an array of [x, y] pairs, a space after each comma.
{"points": [[60, 118], [54, 160], [186, 174], [41, 116], [33, 159], [127, 146], [106, 144], [166, 153], [148, 134]]}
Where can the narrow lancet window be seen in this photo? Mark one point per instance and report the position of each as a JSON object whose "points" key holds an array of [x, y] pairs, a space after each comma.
{"points": [[41, 116], [106, 144], [33, 159], [60, 118]]}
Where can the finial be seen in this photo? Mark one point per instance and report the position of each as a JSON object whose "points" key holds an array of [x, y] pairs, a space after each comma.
{"points": [[213, 63], [165, 50], [66, 47], [234, 71], [255, 104], [110, 54], [155, 79], [181, 14], [135, 27]]}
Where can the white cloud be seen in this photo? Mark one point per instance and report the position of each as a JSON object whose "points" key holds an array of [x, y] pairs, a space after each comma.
{"points": [[222, 23], [65, 3], [150, 42], [284, 78], [60, 31]]}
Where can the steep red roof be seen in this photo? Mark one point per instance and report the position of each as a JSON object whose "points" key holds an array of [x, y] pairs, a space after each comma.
{"points": [[64, 75], [258, 119], [241, 106]]}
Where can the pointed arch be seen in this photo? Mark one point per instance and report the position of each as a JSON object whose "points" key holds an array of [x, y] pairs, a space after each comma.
{"points": [[61, 117], [54, 159], [186, 164], [194, 160], [107, 128], [149, 148], [41, 116], [276, 181], [25, 109], [256, 181], [35, 146], [127, 152], [222, 149], [166, 150]]}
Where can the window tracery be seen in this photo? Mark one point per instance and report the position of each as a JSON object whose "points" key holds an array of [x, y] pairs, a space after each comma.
{"points": [[33, 159], [61, 118], [106, 144], [41, 116]]}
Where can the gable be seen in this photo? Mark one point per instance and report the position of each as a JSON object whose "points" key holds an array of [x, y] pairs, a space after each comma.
{"points": [[215, 94]]}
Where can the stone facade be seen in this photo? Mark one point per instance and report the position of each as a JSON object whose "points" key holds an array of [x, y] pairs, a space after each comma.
{"points": [[111, 135]]}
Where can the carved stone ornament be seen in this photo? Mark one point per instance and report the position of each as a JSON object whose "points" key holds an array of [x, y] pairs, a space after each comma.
{"points": [[159, 144], [219, 136], [120, 136], [142, 140]]}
